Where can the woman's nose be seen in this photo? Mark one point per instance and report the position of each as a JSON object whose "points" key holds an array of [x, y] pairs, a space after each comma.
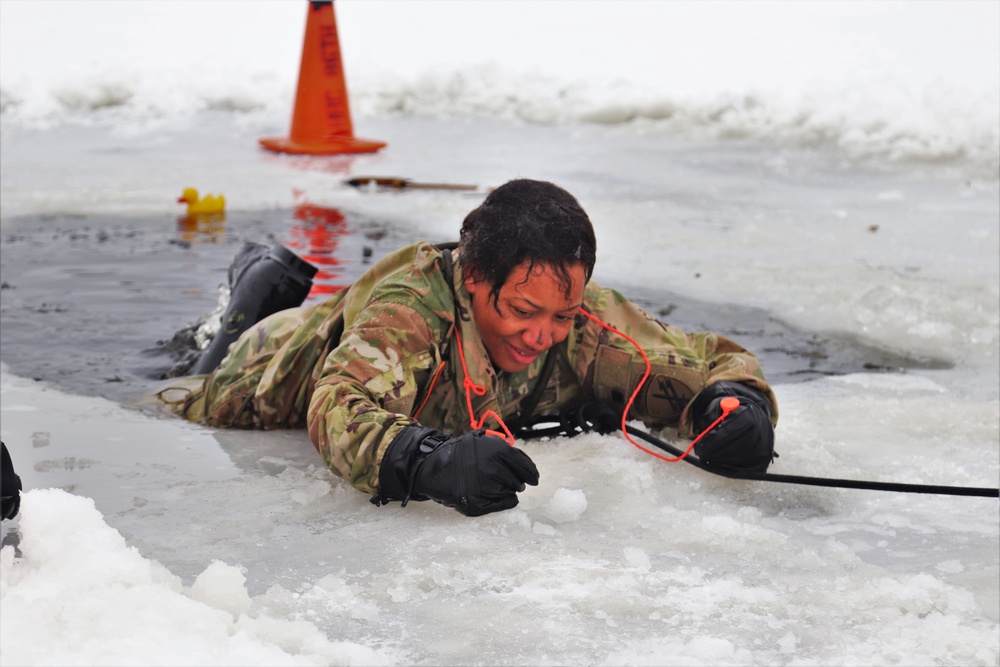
{"points": [[538, 336]]}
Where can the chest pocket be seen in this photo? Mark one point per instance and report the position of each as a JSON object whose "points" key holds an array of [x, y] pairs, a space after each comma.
{"points": [[663, 397]]}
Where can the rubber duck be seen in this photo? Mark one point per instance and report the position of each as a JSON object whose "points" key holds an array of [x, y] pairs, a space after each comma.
{"points": [[208, 204]]}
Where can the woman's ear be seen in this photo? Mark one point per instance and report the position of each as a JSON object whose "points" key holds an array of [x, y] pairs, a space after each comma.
{"points": [[471, 281]]}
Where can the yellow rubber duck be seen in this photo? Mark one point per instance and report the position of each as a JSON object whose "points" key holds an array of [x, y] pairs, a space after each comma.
{"points": [[203, 206]]}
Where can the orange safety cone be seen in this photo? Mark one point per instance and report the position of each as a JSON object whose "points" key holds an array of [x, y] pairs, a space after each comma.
{"points": [[321, 120]]}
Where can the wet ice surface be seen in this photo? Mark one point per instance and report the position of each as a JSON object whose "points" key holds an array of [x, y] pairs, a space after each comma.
{"points": [[615, 557], [700, 246], [107, 293]]}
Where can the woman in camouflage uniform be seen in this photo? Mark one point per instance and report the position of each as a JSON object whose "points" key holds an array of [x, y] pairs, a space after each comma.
{"points": [[406, 378]]}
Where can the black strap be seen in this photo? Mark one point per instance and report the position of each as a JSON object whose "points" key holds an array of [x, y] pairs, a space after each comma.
{"points": [[822, 481], [448, 269], [573, 427], [448, 265], [531, 402]]}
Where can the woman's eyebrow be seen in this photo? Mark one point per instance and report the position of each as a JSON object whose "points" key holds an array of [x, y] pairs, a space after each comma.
{"points": [[538, 307]]}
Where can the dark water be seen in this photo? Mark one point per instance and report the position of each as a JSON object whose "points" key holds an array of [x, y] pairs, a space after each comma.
{"points": [[90, 303]]}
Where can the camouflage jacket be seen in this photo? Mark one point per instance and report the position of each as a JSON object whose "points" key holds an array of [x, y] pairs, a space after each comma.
{"points": [[382, 354]]}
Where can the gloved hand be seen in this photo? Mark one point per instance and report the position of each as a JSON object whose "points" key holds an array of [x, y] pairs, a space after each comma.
{"points": [[474, 473], [10, 486], [744, 441]]}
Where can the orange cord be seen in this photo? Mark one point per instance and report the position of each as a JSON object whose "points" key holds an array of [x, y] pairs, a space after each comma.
{"points": [[480, 390], [728, 405], [430, 389]]}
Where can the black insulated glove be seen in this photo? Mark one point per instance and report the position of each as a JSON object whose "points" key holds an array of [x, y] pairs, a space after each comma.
{"points": [[474, 473], [744, 441], [10, 486]]}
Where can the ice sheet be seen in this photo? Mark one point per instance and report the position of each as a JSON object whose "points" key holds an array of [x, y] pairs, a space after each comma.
{"points": [[614, 558]]}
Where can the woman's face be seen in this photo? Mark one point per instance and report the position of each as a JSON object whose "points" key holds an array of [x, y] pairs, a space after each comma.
{"points": [[535, 313]]}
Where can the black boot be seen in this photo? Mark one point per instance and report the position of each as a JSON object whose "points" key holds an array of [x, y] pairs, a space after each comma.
{"points": [[11, 487], [262, 282]]}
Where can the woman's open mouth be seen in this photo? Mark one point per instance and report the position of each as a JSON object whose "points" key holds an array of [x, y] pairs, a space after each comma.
{"points": [[522, 356]]}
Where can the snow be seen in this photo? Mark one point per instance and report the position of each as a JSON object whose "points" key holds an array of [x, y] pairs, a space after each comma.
{"points": [[881, 80], [615, 558], [101, 602], [566, 505], [833, 163]]}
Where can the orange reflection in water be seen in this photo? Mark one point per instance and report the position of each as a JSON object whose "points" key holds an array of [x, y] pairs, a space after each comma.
{"points": [[329, 164], [201, 228], [315, 239]]}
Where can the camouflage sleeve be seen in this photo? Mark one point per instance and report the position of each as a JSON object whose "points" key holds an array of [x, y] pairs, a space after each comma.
{"points": [[368, 387], [681, 364]]}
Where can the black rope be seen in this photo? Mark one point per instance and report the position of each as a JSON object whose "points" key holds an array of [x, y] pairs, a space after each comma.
{"points": [[582, 425]]}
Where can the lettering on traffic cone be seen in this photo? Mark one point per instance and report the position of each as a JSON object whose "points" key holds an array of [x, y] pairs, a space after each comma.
{"points": [[321, 120]]}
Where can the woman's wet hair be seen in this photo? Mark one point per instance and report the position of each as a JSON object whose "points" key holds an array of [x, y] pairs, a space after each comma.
{"points": [[527, 221]]}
